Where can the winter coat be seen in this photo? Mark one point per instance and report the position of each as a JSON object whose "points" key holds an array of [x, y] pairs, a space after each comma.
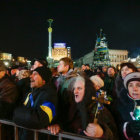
{"points": [[61, 84], [61, 79], [23, 87], [109, 86], [8, 97], [124, 115], [38, 111], [121, 92], [80, 114], [76, 116]]}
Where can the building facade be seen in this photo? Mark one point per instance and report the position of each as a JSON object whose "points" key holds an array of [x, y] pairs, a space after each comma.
{"points": [[6, 58], [60, 50], [117, 56]]}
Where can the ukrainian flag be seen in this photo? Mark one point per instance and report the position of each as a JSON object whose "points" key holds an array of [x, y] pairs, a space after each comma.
{"points": [[49, 109]]}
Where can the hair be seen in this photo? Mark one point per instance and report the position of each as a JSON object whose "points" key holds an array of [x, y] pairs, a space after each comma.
{"points": [[80, 78], [112, 68], [87, 65], [67, 61], [129, 65], [89, 88], [83, 106]]}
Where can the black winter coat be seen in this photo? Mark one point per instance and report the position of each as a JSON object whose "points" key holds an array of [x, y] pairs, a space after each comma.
{"points": [[8, 97], [33, 113], [80, 115], [124, 115], [23, 87]]}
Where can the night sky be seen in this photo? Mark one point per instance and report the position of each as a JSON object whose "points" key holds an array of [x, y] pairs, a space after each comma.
{"points": [[23, 25]]}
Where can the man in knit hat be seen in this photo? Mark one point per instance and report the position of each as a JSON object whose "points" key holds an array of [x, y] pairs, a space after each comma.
{"points": [[39, 107], [39, 62]]}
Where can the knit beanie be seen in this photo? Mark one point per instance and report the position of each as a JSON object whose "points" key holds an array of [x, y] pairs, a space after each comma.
{"points": [[45, 73], [134, 76], [96, 79], [42, 61]]}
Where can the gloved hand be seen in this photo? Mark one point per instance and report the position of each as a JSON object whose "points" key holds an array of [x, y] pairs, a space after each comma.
{"points": [[133, 128]]}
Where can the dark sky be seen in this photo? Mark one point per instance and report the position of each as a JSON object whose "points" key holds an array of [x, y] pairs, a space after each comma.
{"points": [[23, 25]]}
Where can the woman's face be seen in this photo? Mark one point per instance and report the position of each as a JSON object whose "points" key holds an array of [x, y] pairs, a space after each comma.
{"points": [[79, 90], [125, 70], [134, 89]]}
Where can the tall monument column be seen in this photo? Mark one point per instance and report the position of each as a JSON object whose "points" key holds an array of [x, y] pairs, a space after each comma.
{"points": [[50, 38]]}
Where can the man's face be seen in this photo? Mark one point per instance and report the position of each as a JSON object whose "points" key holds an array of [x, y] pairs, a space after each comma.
{"points": [[13, 71], [134, 89], [96, 86], [110, 72], [104, 69], [62, 68], [36, 80], [83, 67], [125, 70], [87, 67], [79, 91], [37, 64], [2, 74]]}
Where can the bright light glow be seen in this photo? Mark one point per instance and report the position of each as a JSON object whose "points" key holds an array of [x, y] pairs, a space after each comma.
{"points": [[133, 60], [6, 63], [137, 113], [59, 45]]}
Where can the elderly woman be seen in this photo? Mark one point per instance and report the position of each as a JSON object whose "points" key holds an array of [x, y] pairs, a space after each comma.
{"points": [[129, 116], [84, 116], [82, 112]]}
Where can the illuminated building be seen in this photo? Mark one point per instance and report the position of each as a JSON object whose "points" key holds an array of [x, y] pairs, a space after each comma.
{"points": [[6, 58], [21, 59], [117, 56], [60, 50], [135, 61]]}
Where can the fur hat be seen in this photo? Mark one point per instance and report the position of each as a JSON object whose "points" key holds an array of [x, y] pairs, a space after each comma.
{"points": [[96, 79], [45, 73], [134, 76]]}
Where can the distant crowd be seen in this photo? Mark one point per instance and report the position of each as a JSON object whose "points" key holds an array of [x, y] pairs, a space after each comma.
{"points": [[99, 103]]}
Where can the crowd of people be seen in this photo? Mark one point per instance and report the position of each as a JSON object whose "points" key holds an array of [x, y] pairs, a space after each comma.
{"points": [[98, 103]]}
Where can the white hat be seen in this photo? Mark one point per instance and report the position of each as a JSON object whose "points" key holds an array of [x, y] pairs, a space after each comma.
{"points": [[96, 79], [134, 76]]}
